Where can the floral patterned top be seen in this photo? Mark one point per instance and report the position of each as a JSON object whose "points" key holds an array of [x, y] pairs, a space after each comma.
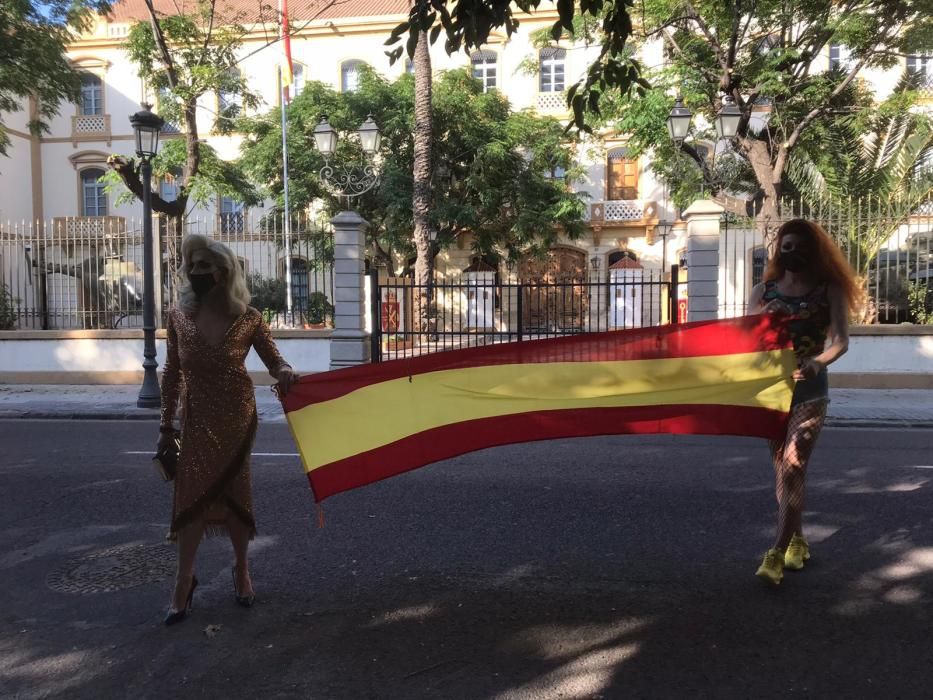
{"points": [[809, 326]]}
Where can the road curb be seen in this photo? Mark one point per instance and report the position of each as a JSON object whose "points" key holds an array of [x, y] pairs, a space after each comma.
{"points": [[900, 423], [153, 415]]}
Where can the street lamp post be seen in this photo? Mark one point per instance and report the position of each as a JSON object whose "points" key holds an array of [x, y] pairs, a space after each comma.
{"points": [[351, 344], [348, 181], [147, 127]]}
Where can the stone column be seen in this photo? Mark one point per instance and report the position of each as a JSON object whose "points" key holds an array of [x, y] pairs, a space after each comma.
{"points": [[702, 219], [349, 343]]}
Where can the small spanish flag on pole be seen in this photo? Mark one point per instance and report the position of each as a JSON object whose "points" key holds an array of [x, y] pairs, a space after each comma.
{"points": [[358, 425], [287, 75]]}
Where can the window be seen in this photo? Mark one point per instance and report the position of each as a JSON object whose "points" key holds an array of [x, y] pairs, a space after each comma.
{"points": [[350, 75], [93, 196], [409, 66], [165, 101], [551, 70], [298, 81], [232, 216], [299, 282], [169, 186], [229, 101], [621, 255], [556, 173], [484, 69], [922, 65], [839, 56], [92, 94], [759, 260], [621, 175]]}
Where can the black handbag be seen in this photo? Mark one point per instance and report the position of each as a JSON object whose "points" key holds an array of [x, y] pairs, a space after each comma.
{"points": [[166, 459]]}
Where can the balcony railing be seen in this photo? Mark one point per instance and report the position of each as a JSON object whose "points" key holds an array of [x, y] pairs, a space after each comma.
{"points": [[90, 127], [83, 228], [622, 210], [551, 102]]}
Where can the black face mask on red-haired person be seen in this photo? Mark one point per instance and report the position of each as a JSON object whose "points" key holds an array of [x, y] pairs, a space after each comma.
{"points": [[794, 261]]}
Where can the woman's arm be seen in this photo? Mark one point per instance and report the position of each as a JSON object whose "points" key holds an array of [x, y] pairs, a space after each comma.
{"points": [[171, 377], [272, 358], [838, 329]]}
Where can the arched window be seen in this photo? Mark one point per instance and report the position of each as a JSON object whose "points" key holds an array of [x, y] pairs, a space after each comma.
{"points": [[350, 75], [229, 100], [621, 175], [484, 68], [92, 94], [551, 69], [299, 78], [93, 196], [621, 255]]}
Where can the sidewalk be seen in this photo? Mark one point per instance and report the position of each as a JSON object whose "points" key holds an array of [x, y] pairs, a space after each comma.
{"points": [[904, 408]]}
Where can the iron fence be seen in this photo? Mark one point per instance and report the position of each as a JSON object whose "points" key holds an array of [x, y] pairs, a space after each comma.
{"points": [[887, 243], [87, 272], [407, 319]]}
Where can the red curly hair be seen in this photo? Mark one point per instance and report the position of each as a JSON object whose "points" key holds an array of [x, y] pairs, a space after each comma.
{"points": [[829, 265]]}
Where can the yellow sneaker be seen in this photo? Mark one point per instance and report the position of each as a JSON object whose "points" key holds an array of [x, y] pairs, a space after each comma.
{"points": [[798, 551], [772, 567]]}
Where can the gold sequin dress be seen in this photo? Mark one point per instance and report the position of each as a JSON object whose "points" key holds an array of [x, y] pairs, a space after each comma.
{"points": [[218, 417]]}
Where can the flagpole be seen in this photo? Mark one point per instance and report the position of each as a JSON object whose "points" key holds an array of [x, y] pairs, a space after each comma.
{"points": [[287, 223]]}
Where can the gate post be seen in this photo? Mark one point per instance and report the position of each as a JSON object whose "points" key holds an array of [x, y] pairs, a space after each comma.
{"points": [[349, 343], [702, 219]]}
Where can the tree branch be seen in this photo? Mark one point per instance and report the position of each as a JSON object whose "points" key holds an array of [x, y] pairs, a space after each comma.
{"points": [[708, 74], [159, 37], [129, 173], [210, 32], [818, 111], [707, 32]]}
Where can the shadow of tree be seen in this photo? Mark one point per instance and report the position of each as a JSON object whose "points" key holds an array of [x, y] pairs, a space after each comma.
{"points": [[528, 572]]}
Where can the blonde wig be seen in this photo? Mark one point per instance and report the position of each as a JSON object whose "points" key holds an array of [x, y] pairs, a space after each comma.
{"points": [[232, 278]]}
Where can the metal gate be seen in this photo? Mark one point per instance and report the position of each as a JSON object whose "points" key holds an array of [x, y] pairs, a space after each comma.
{"points": [[407, 319]]}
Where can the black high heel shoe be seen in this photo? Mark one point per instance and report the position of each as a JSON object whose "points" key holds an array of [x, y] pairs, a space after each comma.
{"points": [[179, 615], [244, 601]]}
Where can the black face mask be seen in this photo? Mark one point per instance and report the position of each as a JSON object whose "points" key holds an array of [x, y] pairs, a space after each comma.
{"points": [[794, 261], [202, 284]]}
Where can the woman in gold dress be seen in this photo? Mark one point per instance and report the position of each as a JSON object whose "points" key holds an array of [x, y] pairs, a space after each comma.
{"points": [[210, 333]]}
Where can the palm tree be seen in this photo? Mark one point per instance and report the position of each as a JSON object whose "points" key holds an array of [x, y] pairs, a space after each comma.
{"points": [[866, 182], [421, 196]]}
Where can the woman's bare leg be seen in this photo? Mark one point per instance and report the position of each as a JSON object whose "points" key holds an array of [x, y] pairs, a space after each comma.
{"points": [[239, 537], [790, 462], [189, 538]]}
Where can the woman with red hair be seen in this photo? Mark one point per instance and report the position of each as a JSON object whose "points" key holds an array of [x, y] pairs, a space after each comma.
{"points": [[809, 279]]}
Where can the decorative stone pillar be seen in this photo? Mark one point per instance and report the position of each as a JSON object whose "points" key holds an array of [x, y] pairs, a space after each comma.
{"points": [[349, 343], [702, 219]]}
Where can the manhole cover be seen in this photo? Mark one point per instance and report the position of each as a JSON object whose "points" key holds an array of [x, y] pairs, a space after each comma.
{"points": [[114, 569]]}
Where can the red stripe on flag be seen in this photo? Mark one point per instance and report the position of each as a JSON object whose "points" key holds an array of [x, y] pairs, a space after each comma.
{"points": [[698, 339], [459, 438]]}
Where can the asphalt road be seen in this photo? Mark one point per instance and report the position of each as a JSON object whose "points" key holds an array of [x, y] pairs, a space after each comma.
{"points": [[612, 567]]}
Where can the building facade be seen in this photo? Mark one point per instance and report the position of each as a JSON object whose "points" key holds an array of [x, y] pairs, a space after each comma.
{"points": [[51, 188]]}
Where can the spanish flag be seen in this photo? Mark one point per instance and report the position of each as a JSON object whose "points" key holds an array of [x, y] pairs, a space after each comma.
{"points": [[287, 76], [359, 425]]}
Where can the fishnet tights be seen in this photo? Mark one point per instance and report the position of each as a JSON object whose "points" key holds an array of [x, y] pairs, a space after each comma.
{"points": [[790, 467]]}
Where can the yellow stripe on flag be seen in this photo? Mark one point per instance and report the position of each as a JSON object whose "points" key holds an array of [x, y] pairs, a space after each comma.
{"points": [[394, 409]]}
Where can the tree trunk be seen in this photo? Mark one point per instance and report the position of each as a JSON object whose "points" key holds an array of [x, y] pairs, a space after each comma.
{"points": [[421, 198], [769, 213]]}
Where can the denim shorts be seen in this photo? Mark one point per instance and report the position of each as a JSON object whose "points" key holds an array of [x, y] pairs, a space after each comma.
{"points": [[816, 389]]}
